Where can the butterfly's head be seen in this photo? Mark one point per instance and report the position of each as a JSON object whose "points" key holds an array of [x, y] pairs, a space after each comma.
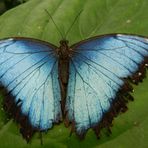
{"points": [[64, 42], [63, 49]]}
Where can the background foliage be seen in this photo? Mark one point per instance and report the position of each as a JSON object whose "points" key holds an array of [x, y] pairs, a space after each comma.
{"points": [[98, 17]]}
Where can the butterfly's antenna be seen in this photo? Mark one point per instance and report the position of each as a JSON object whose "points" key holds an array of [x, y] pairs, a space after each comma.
{"points": [[73, 23], [55, 24]]}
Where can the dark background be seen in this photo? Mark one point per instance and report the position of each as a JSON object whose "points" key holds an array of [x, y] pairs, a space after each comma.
{"points": [[8, 4]]}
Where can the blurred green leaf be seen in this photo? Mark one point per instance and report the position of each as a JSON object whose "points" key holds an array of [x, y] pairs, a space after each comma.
{"points": [[98, 17]]}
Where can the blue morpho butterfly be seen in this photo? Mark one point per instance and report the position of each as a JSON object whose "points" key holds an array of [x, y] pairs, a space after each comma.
{"points": [[84, 85]]}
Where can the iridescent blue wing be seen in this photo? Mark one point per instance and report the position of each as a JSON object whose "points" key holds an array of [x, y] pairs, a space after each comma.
{"points": [[97, 89], [29, 74]]}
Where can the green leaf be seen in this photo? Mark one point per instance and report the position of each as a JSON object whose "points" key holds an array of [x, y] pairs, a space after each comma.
{"points": [[98, 17]]}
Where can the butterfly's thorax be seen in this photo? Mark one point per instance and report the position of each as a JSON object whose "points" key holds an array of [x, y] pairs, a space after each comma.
{"points": [[63, 53]]}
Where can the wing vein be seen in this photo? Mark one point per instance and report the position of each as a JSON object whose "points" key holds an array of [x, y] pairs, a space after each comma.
{"points": [[27, 69], [99, 70], [111, 59], [86, 83]]}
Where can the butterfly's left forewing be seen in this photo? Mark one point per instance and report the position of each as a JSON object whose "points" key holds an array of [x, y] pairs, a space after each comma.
{"points": [[29, 74], [97, 88]]}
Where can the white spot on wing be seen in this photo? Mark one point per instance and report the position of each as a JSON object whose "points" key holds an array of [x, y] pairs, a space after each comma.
{"points": [[11, 39], [7, 40], [120, 35], [139, 73]]}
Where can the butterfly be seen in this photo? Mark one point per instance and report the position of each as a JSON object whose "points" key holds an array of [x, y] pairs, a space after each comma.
{"points": [[85, 85]]}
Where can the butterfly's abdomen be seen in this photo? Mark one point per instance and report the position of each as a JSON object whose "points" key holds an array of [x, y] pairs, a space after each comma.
{"points": [[63, 68]]}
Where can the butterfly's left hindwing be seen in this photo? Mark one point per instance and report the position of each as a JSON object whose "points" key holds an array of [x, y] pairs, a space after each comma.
{"points": [[29, 73], [97, 88]]}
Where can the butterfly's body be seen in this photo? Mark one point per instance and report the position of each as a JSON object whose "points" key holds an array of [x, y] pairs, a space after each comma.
{"points": [[63, 52], [84, 84]]}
